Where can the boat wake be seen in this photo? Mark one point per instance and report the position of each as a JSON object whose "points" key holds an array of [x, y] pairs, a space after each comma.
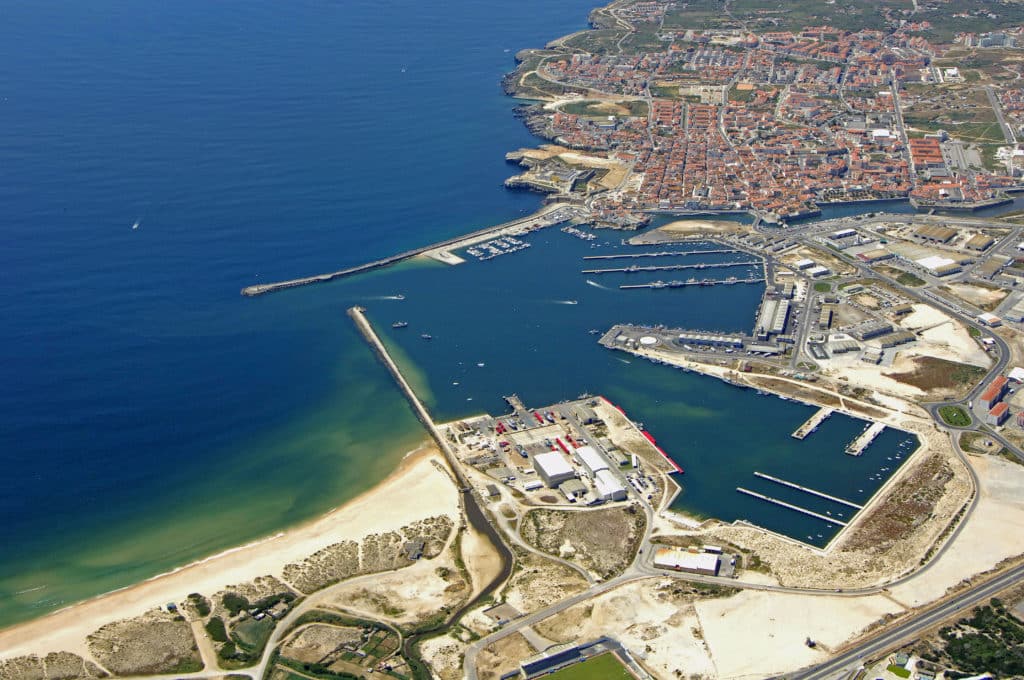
{"points": [[595, 284], [30, 590]]}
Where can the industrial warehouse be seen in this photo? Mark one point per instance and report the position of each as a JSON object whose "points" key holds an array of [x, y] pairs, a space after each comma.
{"points": [[563, 448]]}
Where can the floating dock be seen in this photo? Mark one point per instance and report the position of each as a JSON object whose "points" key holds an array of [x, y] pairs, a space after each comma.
{"points": [[669, 267], [797, 508], [694, 282], [819, 494], [813, 422], [664, 253], [864, 439]]}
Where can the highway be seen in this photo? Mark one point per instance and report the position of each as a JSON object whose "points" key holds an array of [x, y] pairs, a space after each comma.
{"points": [[847, 663]]}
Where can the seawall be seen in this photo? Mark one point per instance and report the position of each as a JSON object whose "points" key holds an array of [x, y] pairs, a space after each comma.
{"points": [[545, 217]]}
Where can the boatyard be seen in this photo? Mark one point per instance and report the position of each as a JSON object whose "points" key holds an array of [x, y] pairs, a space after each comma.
{"points": [[561, 454]]}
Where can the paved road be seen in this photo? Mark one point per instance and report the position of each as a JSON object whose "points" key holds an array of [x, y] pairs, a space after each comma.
{"points": [[845, 664], [1011, 138], [928, 297]]}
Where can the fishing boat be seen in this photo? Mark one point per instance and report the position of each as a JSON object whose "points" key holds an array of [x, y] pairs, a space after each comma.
{"points": [[400, 324]]}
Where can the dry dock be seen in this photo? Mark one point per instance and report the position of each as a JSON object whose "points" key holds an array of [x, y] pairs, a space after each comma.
{"points": [[545, 217], [864, 439], [813, 422]]}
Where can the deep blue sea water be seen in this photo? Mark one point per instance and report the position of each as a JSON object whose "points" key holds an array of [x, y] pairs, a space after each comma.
{"points": [[149, 415]]}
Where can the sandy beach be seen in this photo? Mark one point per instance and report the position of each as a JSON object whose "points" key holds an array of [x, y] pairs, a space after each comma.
{"points": [[398, 500]]}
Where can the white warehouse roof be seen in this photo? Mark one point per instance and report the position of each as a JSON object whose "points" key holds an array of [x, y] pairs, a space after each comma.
{"points": [[591, 459], [676, 558], [935, 262], [607, 485], [553, 464]]}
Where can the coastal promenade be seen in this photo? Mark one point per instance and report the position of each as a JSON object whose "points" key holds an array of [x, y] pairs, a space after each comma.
{"points": [[547, 216]]}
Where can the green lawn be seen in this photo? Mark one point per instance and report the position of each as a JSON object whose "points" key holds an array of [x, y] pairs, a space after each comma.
{"points": [[899, 671], [908, 279], [955, 416], [252, 635], [604, 667], [823, 287]]}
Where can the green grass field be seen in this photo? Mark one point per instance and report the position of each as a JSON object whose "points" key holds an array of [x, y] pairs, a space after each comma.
{"points": [[955, 416], [604, 667]]}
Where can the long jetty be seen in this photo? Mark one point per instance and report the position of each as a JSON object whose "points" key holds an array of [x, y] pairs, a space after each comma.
{"points": [[474, 514], [665, 253], [864, 439], [813, 422], [790, 506], [805, 489], [545, 217], [683, 284], [668, 267], [363, 325]]}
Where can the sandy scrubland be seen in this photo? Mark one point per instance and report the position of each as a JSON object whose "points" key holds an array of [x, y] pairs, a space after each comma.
{"points": [[654, 619], [394, 503], [754, 634], [991, 534]]}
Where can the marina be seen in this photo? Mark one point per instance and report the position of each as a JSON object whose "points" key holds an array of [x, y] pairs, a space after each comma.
{"points": [[864, 439], [790, 506], [690, 282], [819, 494], [547, 216], [496, 248], [812, 423], [669, 267], [467, 368], [578, 233]]}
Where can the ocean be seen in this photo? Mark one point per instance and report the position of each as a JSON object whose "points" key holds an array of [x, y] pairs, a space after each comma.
{"points": [[150, 415], [158, 159]]}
